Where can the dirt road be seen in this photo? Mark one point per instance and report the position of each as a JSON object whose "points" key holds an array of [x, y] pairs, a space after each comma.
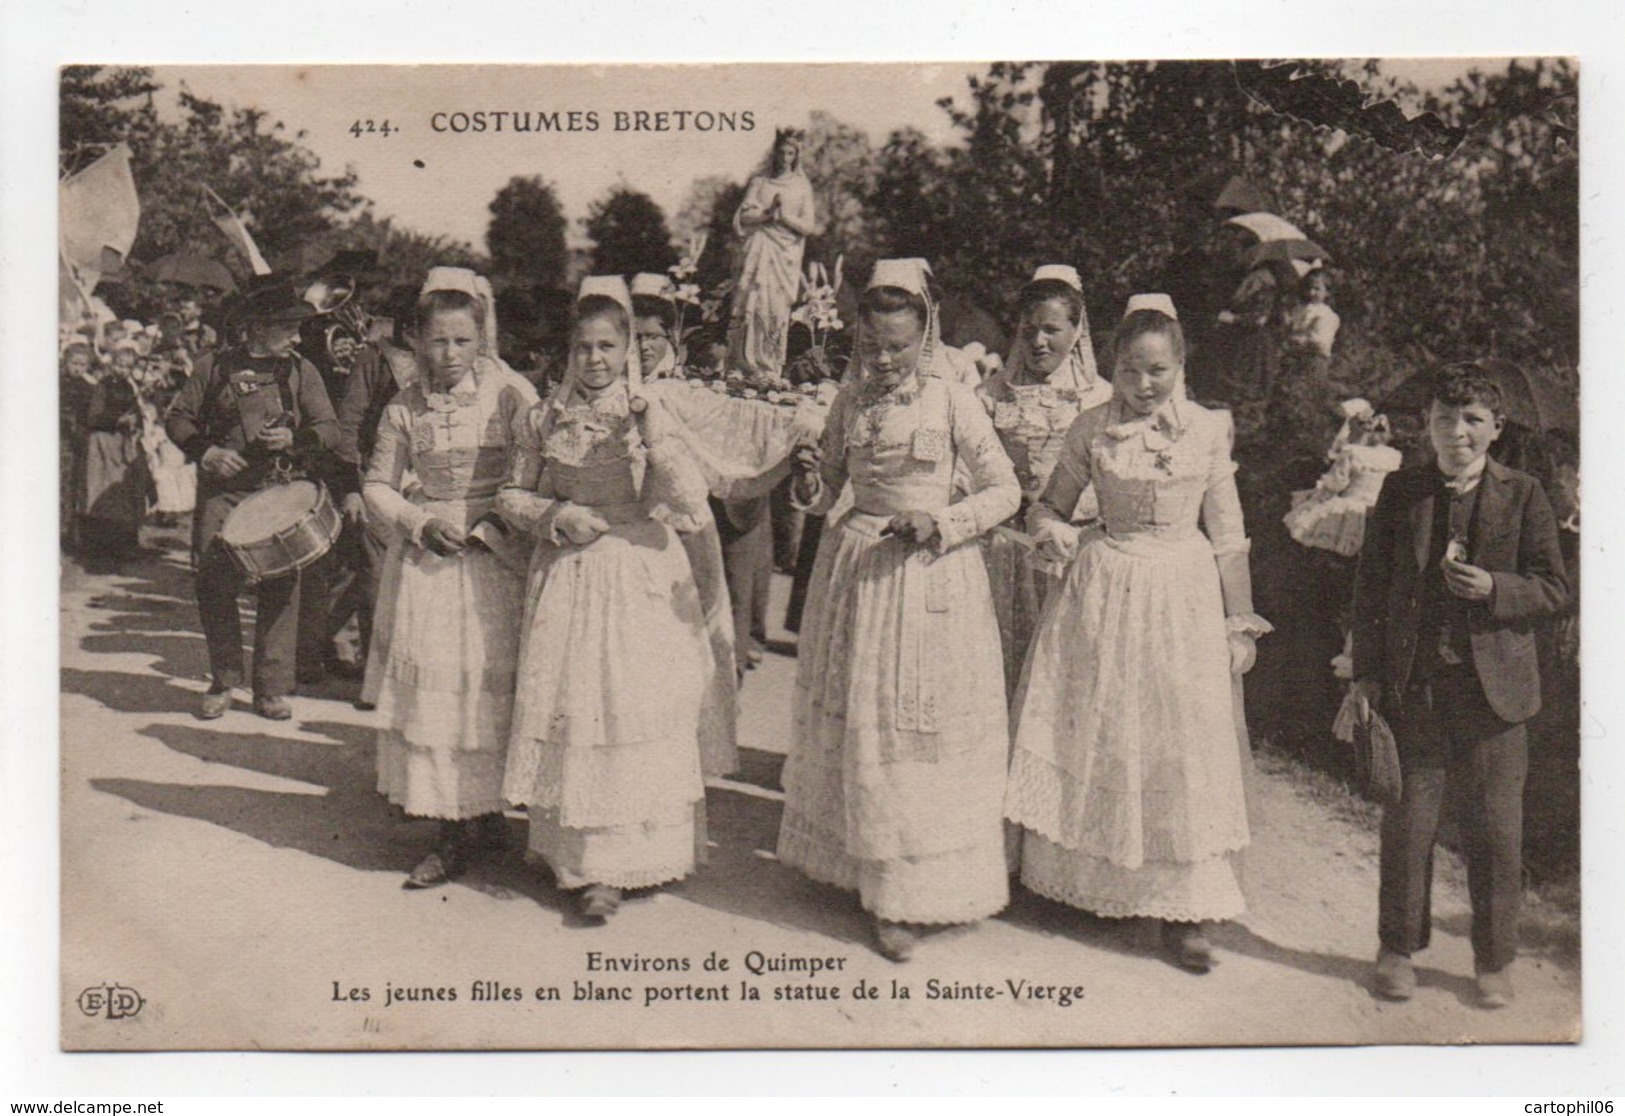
{"points": [[243, 877]]}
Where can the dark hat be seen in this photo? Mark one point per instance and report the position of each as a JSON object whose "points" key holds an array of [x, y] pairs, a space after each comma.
{"points": [[271, 298], [360, 262]]}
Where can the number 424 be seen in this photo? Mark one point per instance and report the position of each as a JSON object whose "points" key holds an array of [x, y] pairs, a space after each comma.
{"points": [[372, 128]]}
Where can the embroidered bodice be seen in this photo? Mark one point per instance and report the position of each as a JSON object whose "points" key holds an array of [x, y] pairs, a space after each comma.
{"points": [[589, 452], [900, 450], [458, 443], [1157, 475], [1032, 420]]}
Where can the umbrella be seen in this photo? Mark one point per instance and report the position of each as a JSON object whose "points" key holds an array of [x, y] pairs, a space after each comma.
{"points": [[192, 271], [1292, 251], [1534, 399], [1228, 193], [1267, 226], [1242, 196]]}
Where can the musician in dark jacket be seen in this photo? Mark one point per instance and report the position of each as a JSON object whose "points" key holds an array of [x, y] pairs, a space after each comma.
{"points": [[1460, 564], [382, 368], [244, 412]]}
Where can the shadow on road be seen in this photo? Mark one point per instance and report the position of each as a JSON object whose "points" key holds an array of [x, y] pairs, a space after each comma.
{"points": [[1034, 913], [124, 692], [744, 878], [346, 821], [1245, 942]]}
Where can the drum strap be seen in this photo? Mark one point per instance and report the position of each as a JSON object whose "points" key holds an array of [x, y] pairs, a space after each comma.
{"points": [[282, 470], [218, 377]]}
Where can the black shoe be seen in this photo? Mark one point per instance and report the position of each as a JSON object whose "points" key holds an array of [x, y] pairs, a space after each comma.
{"points": [[448, 860], [1395, 977], [600, 901], [273, 708], [1187, 946], [215, 703], [895, 940]]}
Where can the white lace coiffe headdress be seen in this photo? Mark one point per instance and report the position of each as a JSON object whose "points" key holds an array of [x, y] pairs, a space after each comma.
{"points": [[614, 288], [1078, 372], [913, 275], [476, 286], [1161, 303], [1164, 305]]}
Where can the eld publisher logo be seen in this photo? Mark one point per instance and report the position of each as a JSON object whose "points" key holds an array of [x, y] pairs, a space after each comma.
{"points": [[111, 1000]]}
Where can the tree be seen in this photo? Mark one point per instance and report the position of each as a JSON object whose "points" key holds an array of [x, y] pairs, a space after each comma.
{"points": [[839, 161], [911, 200], [629, 234], [404, 256], [710, 210], [257, 165], [526, 235], [96, 110], [261, 169]]}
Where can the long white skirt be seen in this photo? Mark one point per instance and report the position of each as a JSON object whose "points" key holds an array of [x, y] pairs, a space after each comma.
{"points": [[894, 783], [445, 641], [1127, 770], [605, 749]]}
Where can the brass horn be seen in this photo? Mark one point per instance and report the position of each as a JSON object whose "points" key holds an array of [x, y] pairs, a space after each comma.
{"points": [[334, 298]]}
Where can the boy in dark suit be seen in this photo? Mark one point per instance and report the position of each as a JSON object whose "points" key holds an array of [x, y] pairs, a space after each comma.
{"points": [[1460, 563]]}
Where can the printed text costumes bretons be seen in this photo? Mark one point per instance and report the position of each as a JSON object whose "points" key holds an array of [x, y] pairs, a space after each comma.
{"points": [[893, 783], [446, 637], [1126, 770]]}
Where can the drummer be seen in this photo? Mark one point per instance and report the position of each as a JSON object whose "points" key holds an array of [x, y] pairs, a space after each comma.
{"points": [[247, 411]]}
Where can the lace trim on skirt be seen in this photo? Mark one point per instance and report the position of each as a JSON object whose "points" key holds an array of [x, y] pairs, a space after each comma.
{"points": [[1195, 892], [630, 856], [443, 783]]}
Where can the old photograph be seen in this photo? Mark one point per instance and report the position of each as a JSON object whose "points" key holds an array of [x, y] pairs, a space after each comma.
{"points": [[1026, 554]]}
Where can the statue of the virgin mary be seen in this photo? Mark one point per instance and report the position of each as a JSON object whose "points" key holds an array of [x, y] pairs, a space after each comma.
{"points": [[775, 218]]}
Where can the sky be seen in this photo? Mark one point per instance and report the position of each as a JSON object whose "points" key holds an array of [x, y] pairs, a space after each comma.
{"points": [[448, 194]]}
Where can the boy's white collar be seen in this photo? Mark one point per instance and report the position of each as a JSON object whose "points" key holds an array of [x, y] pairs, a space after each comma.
{"points": [[1467, 479]]}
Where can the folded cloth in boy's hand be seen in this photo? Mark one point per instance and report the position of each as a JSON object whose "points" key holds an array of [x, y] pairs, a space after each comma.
{"points": [[1376, 760]]}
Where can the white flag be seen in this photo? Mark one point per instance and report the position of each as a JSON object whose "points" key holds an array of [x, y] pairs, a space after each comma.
{"points": [[99, 210], [237, 232]]}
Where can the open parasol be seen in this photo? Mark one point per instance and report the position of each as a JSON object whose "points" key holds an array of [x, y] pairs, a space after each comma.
{"points": [[191, 270], [1294, 251], [1537, 400], [1267, 226]]}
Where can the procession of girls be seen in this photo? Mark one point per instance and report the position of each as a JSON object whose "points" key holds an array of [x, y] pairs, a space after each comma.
{"points": [[1017, 657]]}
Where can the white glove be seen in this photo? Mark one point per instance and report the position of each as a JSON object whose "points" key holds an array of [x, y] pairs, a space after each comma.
{"points": [[1243, 652], [1057, 541], [580, 524]]}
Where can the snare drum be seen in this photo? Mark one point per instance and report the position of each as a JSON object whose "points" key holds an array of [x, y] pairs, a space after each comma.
{"points": [[281, 530]]}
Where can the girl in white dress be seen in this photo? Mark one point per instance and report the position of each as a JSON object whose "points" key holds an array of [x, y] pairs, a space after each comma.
{"points": [[1048, 381], [616, 656], [894, 779], [1127, 769], [447, 629]]}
